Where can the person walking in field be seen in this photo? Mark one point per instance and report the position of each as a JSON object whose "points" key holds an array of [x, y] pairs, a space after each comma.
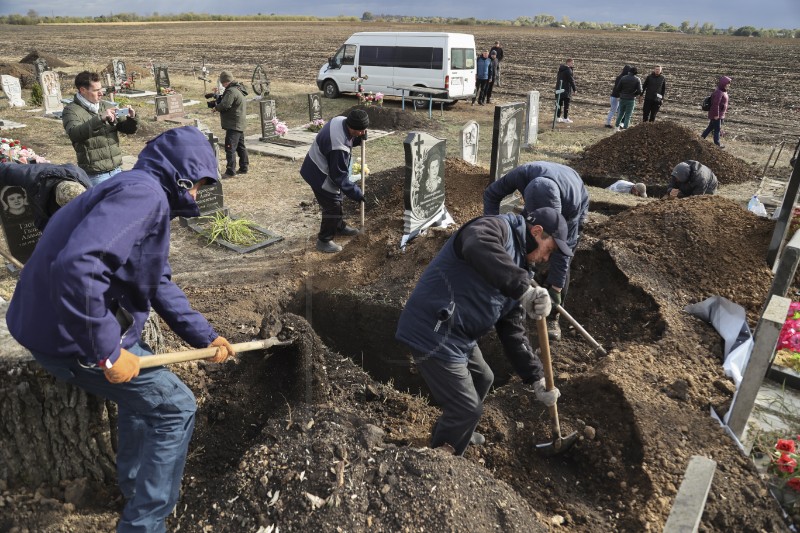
{"points": [[566, 81], [654, 89], [629, 87], [716, 114]]}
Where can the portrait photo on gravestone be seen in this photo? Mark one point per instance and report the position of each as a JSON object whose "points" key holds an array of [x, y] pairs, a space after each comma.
{"points": [[17, 218], [161, 105], [314, 107], [508, 129], [424, 187], [267, 110]]}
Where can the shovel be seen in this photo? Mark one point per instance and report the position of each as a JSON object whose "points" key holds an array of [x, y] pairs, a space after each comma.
{"points": [[585, 334], [147, 361], [363, 179], [559, 444]]}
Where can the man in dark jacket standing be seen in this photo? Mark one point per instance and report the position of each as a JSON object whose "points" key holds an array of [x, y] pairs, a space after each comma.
{"points": [[691, 178], [497, 49], [477, 281], [566, 81], [545, 184], [92, 126], [327, 169], [232, 109], [83, 298], [654, 89], [495, 68], [483, 75], [629, 87]]}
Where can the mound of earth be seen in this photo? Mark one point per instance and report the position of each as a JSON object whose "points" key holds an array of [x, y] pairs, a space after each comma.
{"points": [[392, 119], [52, 61], [16, 70], [649, 151]]}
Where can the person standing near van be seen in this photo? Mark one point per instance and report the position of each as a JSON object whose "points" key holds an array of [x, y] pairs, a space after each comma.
{"points": [[483, 74], [566, 81], [654, 88], [497, 49], [716, 113], [494, 79]]}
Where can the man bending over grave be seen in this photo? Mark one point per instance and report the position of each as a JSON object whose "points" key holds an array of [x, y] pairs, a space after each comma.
{"points": [[628, 187], [690, 178], [83, 298], [478, 281], [544, 184], [232, 109], [92, 127], [326, 169]]}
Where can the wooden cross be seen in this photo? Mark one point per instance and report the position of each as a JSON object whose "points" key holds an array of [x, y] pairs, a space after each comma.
{"points": [[359, 78]]}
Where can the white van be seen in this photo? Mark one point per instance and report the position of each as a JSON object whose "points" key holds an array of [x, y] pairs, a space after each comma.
{"points": [[434, 60]]}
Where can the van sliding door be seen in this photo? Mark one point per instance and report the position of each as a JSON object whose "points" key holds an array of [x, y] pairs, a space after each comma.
{"points": [[377, 62]]}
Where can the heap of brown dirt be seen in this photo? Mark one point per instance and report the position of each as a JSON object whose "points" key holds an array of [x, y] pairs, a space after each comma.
{"points": [[52, 61], [392, 119], [649, 151], [16, 70]]}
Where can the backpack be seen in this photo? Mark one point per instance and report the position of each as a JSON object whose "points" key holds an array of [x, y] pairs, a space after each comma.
{"points": [[707, 103]]}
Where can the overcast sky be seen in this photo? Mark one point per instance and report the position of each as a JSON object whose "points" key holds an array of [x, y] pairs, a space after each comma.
{"points": [[720, 13]]}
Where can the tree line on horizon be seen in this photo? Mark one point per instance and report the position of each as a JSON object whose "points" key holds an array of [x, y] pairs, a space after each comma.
{"points": [[539, 21]]}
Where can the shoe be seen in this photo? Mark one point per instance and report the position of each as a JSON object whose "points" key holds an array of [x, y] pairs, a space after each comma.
{"points": [[227, 175], [477, 439], [617, 129], [473, 101], [559, 119], [722, 146], [328, 247], [348, 231], [609, 126], [242, 171], [553, 329], [480, 103], [488, 102], [568, 120]]}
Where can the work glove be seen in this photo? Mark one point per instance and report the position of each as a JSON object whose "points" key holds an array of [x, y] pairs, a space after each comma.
{"points": [[536, 303], [124, 369], [549, 398], [224, 350], [555, 296]]}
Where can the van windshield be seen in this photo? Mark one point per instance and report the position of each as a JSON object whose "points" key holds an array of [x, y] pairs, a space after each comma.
{"points": [[346, 55], [462, 58]]}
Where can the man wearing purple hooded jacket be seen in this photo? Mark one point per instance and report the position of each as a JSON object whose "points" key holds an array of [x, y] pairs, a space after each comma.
{"points": [[716, 113], [83, 298]]}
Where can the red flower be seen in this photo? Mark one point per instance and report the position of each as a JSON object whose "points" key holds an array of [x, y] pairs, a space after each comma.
{"points": [[25, 148], [794, 483], [785, 445], [787, 464]]}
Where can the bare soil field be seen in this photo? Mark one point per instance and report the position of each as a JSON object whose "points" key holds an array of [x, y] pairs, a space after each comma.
{"points": [[330, 433]]}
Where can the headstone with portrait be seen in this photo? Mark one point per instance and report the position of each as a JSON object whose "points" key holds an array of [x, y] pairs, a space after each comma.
{"points": [[120, 73], [161, 74], [314, 107], [169, 107], [39, 66], [469, 142], [16, 215], [532, 122], [423, 194], [13, 90], [267, 110], [51, 93], [507, 131]]}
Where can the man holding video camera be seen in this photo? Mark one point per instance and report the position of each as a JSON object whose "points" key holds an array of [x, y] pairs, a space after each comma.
{"points": [[232, 109], [92, 126]]}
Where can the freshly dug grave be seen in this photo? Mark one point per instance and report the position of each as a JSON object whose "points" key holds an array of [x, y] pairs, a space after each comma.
{"points": [[649, 151], [395, 119]]}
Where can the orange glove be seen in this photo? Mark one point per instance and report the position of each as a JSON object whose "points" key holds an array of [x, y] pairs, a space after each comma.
{"points": [[124, 369], [224, 350]]}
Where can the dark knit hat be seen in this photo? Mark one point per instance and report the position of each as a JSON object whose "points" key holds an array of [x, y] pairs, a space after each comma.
{"points": [[225, 76], [357, 119]]}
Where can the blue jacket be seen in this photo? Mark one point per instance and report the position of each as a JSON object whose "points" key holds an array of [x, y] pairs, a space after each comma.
{"points": [[472, 285], [544, 184], [483, 68], [327, 164], [107, 249]]}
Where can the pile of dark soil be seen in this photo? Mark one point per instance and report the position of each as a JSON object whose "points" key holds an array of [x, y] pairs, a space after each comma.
{"points": [[649, 151], [393, 119], [52, 61], [16, 70]]}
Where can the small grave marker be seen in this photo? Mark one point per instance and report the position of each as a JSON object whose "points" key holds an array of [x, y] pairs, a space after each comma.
{"points": [[469, 142], [532, 124], [424, 185], [39, 66], [314, 107], [267, 110], [16, 215], [506, 136], [120, 73], [51, 93], [161, 74], [13, 90], [170, 107]]}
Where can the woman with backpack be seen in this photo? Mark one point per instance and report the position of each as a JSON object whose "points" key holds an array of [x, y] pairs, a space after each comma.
{"points": [[717, 110]]}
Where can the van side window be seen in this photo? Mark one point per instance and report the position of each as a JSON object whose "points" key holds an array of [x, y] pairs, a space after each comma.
{"points": [[462, 58], [346, 55], [376, 56], [418, 57]]}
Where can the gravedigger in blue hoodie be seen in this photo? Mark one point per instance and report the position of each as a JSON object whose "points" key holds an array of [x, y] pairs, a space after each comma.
{"points": [[84, 295]]}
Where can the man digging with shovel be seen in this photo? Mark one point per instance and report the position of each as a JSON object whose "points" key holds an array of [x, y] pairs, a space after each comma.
{"points": [[480, 280], [83, 298]]}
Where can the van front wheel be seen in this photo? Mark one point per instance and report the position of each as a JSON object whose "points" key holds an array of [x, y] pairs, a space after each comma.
{"points": [[330, 89]]}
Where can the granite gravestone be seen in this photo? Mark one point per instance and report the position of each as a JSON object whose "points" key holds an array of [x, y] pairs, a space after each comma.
{"points": [[39, 66], [469, 142], [209, 197], [161, 105], [267, 109], [424, 184], [120, 74], [51, 93], [509, 121], [314, 107], [17, 218], [13, 90], [162, 78], [109, 81], [532, 124], [173, 103]]}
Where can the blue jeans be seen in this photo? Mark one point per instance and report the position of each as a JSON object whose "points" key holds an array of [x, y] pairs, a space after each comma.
{"points": [[97, 179], [715, 125], [155, 425], [613, 110]]}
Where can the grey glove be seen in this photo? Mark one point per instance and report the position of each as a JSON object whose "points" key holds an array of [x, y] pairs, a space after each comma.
{"points": [[536, 302], [549, 398]]}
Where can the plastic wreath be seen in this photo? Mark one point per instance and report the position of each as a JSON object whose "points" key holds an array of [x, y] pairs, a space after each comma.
{"points": [[789, 338], [315, 125], [12, 151]]}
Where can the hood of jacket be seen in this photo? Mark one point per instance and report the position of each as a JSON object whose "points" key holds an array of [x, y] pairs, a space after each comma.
{"points": [[724, 81], [179, 154], [237, 85], [563, 67], [625, 70]]}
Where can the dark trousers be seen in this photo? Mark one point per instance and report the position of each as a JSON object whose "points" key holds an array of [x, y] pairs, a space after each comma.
{"points": [[650, 110], [489, 87], [714, 125], [332, 214], [459, 389], [563, 105], [480, 90], [234, 145]]}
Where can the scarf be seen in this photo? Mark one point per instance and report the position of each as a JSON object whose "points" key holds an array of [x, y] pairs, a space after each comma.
{"points": [[94, 108]]}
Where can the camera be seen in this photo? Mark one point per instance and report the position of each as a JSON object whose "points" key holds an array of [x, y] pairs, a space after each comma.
{"points": [[211, 105]]}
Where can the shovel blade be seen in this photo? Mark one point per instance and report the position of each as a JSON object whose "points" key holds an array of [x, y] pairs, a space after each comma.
{"points": [[558, 445]]}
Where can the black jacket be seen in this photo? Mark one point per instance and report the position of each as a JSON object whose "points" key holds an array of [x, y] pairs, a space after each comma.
{"points": [[499, 50], [653, 86], [629, 87], [567, 80], [701, 180], [615, 90]]}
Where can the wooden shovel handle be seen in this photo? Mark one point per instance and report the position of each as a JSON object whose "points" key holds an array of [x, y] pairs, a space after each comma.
{"points": [[363, 181], [147, 361], [549, 383]]}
